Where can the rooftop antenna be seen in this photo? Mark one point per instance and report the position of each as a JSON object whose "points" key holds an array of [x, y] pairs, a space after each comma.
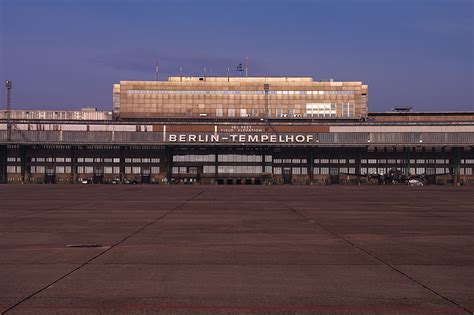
{"points": [[181, 73], [8, 86], [228, 74], [246, 66], [204, 72], [157, 71], [240, 69]]}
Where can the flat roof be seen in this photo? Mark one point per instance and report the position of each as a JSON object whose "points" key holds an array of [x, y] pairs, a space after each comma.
{"points": [[402, 113]]}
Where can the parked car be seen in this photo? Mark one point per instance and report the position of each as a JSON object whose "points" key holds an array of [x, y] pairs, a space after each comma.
{"points": [[415, 182]]}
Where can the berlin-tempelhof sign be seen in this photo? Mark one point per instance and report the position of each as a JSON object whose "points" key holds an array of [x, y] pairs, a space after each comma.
{"points": [[239, 138]]}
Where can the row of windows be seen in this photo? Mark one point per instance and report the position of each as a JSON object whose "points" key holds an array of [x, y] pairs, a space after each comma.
{"points": [[239, 158], [12, 169], [223, 169], [465, 170], [137, 170], [294, 170], [329, 109], [334, 161], [89, 160], [402, 161], [326, 170], [194, 158], [85, 170], [216, 92], [44, 170], [141, 160], [288, 161], [239, 169], [412, 171], [184, 170]]}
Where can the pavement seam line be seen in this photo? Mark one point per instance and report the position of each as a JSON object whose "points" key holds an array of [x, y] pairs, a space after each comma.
{"points": [[379, 259], [102, 253]]}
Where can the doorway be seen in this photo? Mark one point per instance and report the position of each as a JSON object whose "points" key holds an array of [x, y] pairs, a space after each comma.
{"points": [[287, 175]]}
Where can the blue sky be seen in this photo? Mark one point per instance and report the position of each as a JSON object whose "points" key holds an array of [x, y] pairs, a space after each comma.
{"points": [[68, 53]]}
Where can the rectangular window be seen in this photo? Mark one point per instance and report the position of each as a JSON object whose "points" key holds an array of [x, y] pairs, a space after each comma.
{"points": [[11, 169], [243, 112], [219, 112], [209, 169], [155, 160], [231, 112], [108, 170], [277, 170], [155, 170]]}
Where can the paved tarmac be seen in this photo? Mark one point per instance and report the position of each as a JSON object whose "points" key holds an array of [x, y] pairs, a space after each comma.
{"points": [[236, 249]]}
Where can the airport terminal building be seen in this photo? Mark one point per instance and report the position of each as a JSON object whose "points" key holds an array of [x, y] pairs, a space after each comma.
{"points": [[237, 130]]}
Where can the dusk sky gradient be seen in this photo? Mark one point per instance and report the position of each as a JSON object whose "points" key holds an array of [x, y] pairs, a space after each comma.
{"points": [[66, 54]]}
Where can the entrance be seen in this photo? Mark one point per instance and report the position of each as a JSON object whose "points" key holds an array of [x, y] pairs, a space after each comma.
{"points": [[146, 176], [287, 175], [334, 175], [50, 176], [98, 176]]}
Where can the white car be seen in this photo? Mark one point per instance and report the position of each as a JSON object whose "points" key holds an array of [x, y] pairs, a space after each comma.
{"points": [[415, 182]]}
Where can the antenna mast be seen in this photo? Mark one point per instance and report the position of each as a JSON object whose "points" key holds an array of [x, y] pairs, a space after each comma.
{"points": [[246, 66], [157, 72], [8, 86]]}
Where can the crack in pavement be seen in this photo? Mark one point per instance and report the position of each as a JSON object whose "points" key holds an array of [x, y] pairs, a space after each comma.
{"points": [[367, 252], [104, 252]]}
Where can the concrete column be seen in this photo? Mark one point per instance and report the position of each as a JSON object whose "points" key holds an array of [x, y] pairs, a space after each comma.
{"points": [[3, 164], [216, 165], [358, 164], [23, 155], [407, 164], [73, 164], [456, 154], [169, 163], [122, 163]]}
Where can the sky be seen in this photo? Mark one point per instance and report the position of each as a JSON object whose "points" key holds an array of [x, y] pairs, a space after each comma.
{"points": [[66, 54]]}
